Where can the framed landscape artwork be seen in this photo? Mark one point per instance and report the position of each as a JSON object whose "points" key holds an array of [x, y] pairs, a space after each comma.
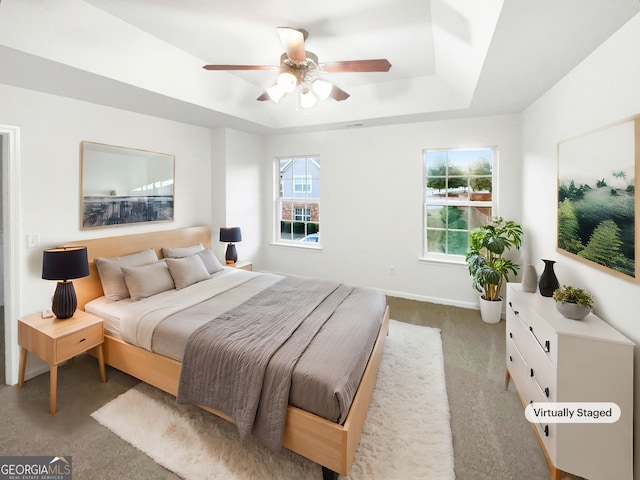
{"points": [[121, 186], [596, 197]]}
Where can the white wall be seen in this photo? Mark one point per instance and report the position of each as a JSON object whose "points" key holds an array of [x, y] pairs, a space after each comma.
{"points": [[236, 189], [600, 91], [371, 206], [51, 129]]}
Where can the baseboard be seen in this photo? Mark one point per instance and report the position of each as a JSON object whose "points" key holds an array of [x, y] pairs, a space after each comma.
{"points": [[437, 300]]}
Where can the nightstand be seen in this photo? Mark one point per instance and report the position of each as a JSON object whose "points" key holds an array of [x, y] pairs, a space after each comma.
{"points": [[242, 265], [56, 341]]}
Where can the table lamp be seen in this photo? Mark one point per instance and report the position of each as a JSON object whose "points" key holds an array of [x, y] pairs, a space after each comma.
{"points": [[64, 264], [231, 235]]}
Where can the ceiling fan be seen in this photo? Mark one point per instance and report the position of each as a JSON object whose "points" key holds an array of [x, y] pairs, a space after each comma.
{"points": [[300, 68]]}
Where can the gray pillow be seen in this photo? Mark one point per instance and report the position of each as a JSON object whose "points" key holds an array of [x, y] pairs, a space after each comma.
{"points": [[210, 261], [187, 271], [180, 252], [111, 276], [147, 280]]}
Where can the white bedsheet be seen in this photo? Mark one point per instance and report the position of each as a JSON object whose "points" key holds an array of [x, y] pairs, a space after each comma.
{"points": [[135, 321], [110, 312]]}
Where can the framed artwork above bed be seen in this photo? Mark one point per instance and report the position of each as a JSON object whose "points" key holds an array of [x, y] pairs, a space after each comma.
{"points": [[596, 198], [122, 186]]}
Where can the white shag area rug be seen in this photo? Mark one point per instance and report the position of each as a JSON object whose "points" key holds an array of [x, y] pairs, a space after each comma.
{"points": [[407, 433]]}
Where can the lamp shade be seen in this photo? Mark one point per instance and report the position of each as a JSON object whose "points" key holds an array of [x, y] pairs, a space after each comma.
{"points": [[230, 234], [65, 263]]}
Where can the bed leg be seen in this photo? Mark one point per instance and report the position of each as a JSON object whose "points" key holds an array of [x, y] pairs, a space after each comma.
{"points": [[329, 474]]}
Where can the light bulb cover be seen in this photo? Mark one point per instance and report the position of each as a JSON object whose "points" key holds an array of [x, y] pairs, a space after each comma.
{"points": [[287, 81], [322, 88], [307, 98], [275, 92]]}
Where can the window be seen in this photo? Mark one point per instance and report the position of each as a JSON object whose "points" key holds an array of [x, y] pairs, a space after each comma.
{"points": [[302, 214], [302, 184], [298, 202], [458, 197]]}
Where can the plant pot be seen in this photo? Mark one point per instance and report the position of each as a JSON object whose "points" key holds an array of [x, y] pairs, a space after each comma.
{"points": [[573, 310], [490, 311]]}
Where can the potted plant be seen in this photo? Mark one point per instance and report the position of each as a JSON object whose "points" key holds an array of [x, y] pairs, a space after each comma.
{"points": [[574, 303], [488, 266]]}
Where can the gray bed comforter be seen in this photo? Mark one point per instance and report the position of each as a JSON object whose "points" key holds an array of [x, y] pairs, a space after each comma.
{"points": [[241, 362], [328, 355]]}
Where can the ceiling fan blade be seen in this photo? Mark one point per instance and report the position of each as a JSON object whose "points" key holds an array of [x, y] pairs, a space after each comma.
{"points": [[241, 67], [376, 65], [293, 43], [338, 94], [264, 97]]}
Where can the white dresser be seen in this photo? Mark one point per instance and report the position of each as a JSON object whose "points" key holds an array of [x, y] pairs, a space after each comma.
{"points": [[553, 359]]}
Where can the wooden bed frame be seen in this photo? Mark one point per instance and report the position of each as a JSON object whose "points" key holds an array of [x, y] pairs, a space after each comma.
{"points": [[329, 444]]}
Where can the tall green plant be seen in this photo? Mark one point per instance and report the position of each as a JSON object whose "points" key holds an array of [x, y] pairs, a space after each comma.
{"points": [[488, 267]]}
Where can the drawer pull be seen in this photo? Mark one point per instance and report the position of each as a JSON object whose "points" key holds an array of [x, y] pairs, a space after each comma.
{"points": [[516, 312], [531, 369], [546, 430], [510, 358], [510, 335], [547, 345], [82, 340], [546, 391]]}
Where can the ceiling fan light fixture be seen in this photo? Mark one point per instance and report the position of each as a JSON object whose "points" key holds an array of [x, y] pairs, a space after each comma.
{"points": [[287, 82], [322, 88], [307, 98], [275, 92]]}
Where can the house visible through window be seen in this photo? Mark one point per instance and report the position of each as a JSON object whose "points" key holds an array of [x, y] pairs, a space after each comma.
{"points": [[458, 197], [298, 202], [302, 184], [302, 215]]}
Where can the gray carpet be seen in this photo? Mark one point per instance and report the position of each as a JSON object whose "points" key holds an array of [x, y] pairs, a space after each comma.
{"points": [[492, 440]]}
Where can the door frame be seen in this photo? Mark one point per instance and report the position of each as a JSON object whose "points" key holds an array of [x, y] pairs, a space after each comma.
{"points": [[11, 247]]}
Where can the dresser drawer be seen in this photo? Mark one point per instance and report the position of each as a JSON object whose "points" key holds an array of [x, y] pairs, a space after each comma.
{"points": [[519, 334], [542, 332], [78, 342], [542, 371], [546, 430], [518, 368]]}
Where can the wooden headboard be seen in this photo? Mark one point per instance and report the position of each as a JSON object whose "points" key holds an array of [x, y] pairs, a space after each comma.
{"points": [[88, 288]]}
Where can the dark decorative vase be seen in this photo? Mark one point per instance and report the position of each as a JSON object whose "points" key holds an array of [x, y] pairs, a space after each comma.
{"points": [[548, 281]]}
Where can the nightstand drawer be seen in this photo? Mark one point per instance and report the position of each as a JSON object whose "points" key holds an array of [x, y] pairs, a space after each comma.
{"points": [[78, 342]]}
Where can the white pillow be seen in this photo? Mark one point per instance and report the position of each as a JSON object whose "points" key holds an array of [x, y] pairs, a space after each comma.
{"points": [[179, 252], [210, 261], [148, 280], [110, 271], [187, 271]]}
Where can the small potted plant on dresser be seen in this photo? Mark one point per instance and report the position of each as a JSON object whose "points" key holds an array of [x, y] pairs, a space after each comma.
{"points": [[488, 266], [574, 303]]}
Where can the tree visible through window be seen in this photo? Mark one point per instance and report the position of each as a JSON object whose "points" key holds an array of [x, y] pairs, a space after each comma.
{"points": [[298, 202], [458, 196]]}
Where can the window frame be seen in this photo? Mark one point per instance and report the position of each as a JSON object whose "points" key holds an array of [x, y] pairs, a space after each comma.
{"points": [[429, 201], [308, 196]]}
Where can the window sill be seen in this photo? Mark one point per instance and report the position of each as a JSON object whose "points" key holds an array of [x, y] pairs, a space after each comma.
{"points": [[443, 259], [302, 245]]}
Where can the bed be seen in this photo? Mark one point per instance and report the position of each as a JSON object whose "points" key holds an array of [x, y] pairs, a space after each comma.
{"points": [[318, 436]]}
